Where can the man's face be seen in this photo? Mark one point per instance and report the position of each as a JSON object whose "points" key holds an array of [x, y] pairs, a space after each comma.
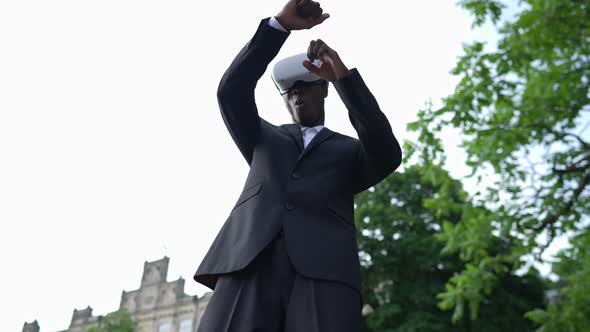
{"points": [[305, 102]]}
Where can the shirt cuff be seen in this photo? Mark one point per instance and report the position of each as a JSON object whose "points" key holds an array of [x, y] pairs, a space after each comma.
{"points": [[275, 24]]}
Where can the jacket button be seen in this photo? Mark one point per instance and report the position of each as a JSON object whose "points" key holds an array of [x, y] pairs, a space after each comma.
{"points": [[295, 175], [289, 206]]}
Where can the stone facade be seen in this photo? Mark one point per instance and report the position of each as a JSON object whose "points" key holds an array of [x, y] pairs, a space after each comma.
{"points": [[157, 306]]}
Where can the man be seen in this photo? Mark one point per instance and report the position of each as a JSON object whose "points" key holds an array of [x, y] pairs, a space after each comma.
{"points": [[286, 258]]}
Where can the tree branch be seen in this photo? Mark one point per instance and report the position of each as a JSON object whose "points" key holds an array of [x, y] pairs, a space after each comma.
{"points": [[551, 219]]}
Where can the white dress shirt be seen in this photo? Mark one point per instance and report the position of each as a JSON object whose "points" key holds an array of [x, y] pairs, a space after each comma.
{"points": [[275, 24], [307, 132]]}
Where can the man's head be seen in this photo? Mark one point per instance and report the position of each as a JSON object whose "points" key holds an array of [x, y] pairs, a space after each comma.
{"points": [[303, 92]]}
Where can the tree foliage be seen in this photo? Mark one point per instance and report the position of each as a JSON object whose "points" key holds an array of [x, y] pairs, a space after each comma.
{"points": [[403, 269], [118, 321], [523, 112]]}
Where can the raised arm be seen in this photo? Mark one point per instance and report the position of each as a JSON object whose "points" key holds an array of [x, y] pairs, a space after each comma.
{"points": [[379, 153], [235, 93]]}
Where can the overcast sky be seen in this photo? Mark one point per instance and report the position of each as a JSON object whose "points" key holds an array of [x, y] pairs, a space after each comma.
{"points": [[112, 147]]}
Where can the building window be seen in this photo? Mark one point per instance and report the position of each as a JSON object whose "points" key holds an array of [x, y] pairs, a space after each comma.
{"points": [[164, 327], [186, 326]]}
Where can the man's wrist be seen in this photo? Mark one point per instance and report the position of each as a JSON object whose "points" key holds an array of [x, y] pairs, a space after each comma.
{"points": [[275, 22], [342, 73], [346, 76], [340, 68]]}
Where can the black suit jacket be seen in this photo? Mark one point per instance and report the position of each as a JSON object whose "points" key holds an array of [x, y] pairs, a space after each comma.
{"points": [[309, 192]]}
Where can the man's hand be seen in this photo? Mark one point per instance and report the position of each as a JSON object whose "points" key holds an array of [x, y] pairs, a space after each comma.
{"points": [[331, 67], [301, 14]]}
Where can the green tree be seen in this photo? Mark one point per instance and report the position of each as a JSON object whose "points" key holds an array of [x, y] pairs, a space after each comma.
{"points": [[523, 112], [570, 309], [403, 270], [118, 321]]}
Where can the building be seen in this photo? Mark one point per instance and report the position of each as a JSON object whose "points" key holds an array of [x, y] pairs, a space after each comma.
{"points": [[157, 306], [31, 327]]}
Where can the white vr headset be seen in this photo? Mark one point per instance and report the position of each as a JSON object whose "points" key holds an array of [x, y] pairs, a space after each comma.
{"points": [[288, 71]]}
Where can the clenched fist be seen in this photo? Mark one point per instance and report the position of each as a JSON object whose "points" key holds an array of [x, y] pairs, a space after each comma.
{"points": [[301, 14]]}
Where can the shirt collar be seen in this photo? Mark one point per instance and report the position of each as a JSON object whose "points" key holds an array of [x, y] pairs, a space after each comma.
{"points": [[318, 127]]}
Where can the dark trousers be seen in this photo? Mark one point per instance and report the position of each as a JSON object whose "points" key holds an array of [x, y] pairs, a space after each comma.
{"points": [[270, 296]]}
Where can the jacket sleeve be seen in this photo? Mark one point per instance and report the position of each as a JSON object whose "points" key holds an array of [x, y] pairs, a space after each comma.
{"points": [[235, 93], [379, 153]]}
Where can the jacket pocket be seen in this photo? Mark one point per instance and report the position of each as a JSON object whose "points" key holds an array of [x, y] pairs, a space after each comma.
{"points": [[340, 214], [248, 193]]}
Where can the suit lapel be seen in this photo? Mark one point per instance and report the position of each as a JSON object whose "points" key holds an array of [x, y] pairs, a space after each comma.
{"points": [[295, 132], [320, 137]]}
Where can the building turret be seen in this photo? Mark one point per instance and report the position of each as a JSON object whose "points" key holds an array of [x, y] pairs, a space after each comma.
{"points": [[31, 327]]}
